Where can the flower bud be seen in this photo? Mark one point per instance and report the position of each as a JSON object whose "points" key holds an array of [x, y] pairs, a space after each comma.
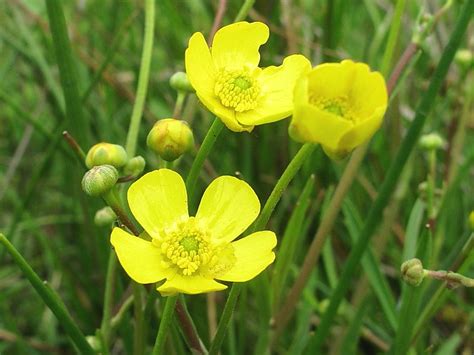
{"points": [[99, 180], [471, 220], [106, 154], [134, 166], [105, 217], [464, 58], [432, 141], [413, 272], [170, 138], [179, 81], [94, 343]]}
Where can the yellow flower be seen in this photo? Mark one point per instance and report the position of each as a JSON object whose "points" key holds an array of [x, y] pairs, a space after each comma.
{"points": [[229, 82], [190, 252], [339, 105]]}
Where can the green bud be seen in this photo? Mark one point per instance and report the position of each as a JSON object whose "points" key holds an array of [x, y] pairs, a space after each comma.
{"points": [[413, 272], [179, 81], [471, 220], [99, 180], [170, 138], [134, 166], [105, 217], [94, 343], [432, 141], [106, 154], [464, 58]]}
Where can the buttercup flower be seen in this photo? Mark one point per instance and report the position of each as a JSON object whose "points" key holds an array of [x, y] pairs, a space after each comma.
{"points": [[190, 252], [339, 105], [229, 82]]}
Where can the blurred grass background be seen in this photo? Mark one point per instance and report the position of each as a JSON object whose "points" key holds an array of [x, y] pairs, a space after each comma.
{"points": [[50, 221]]}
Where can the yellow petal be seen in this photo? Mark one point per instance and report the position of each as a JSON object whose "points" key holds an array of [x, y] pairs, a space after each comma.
{"points": [[253, 255], [192, 285], [199, 65], [237, 45], [158, 199], [311, 124], [201, 73], [331, 80], [277, 86], [362, 131], [140, 259], [368, 92], [228, 207]]}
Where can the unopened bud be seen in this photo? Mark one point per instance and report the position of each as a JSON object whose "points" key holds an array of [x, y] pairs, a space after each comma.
{"points": [[170, 138], [471, 220], [431, 141], [134, 166], [105, 217], [180, 82], [464, 58], [106, 154], [99, 180], [413, 272], [94, 343]]}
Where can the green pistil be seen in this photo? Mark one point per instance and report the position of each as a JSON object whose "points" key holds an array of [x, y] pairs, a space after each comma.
{"points": [[189, 243], [335, 109], [242, 83]]}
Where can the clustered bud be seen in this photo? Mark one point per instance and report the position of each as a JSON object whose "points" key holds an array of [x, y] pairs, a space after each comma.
{"points": [[431, 141], [106, 154], [413, 272], [134, 166], [464, 58], [179, 81], [170, 138], [99, 180], [105, 217]]}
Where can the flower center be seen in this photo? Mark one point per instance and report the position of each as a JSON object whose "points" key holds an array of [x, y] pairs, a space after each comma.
{"points": [[237, 89], [338, 106], [187, 247]]}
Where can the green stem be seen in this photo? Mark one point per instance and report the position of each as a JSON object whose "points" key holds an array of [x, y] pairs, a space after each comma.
{"points": [[143, 77], [202, 154], [50, 298], [393, 174], [164, 324], [108, 298], [244, 10], [305, 151], [138, 338], [67, 71], [392, 37], [288, 175]]}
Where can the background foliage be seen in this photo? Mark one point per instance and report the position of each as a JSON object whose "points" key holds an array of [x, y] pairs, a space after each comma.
{"points": [[50, 221]]}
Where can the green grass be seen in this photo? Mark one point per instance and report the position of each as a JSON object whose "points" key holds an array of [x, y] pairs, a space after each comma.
{"points": [[354, 301]]}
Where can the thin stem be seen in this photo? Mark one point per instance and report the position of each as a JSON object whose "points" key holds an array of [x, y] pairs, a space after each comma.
{"points": [[225, 318], [305, 151], [164, 325], [287, 310], [143, 78], [288, 175], [108, 298], [202, 154], [67, 71], [392, 37], [393, 174], [178, 107], [138, 338], [244, 10], [188, 327], [50, 298]]}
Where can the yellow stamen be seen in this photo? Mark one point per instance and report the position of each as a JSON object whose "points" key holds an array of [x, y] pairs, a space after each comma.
{"points": [[186, 246], [237, 89], [338, 106]]}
